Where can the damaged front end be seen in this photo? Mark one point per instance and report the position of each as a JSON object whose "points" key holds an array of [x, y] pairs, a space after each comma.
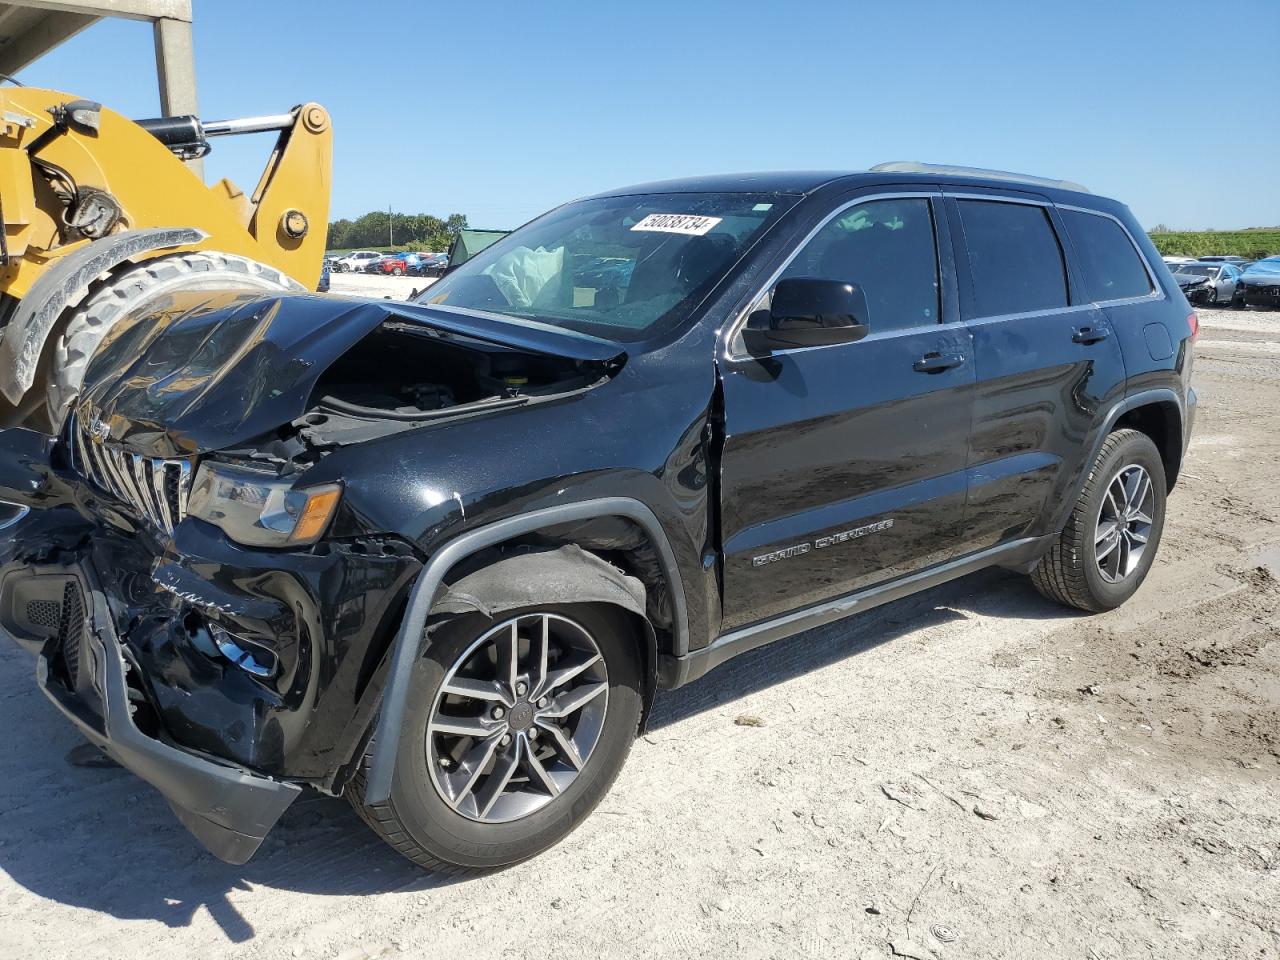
{"points": [[227, 678], [199, 610]]}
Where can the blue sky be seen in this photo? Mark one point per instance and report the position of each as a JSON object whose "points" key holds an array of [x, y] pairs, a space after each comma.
{"points": [[499, 110]]}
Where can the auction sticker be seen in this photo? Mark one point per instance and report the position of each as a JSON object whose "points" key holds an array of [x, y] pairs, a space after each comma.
{"points": [[686, 223]]}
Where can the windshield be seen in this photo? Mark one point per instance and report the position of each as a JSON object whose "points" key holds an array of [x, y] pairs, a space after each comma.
{"points": [[1199, 269], [622, 268]]}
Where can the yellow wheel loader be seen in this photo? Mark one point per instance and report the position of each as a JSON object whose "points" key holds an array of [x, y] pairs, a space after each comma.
{"points": [[102, 217]]}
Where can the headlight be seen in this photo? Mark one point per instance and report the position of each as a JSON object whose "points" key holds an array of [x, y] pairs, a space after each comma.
{"points": [[259, 509]]}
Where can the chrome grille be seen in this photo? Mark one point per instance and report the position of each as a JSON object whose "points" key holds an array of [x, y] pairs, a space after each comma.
{"points": [[155, 488]]}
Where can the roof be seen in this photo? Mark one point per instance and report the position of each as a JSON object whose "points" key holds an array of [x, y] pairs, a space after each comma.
{"points": [[796, 182], [807, 181]]}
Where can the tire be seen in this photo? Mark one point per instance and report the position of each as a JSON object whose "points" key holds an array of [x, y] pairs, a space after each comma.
{"points": [[132, 289], [1070, 572], [419, 822], [397, 272]]}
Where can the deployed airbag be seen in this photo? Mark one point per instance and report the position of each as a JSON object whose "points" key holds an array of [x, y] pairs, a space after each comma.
{"points": [[522, 273]]}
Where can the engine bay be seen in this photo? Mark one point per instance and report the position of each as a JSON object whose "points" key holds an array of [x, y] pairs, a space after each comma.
{"points": [[403, 375]]}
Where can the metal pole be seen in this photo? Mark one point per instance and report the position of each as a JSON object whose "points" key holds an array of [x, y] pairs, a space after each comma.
{"points": [[391, 228], [175, 66]]}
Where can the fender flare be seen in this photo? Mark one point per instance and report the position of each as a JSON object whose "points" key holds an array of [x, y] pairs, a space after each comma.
{"points": [[1141, 399], [1122, 406], [407, 644], [565, 574], [61, 286]]}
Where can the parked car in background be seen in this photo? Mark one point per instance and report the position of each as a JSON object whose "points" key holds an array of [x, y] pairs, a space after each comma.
{"points": [[355, 261], [1211, 284], [430, 265], [393, 264], [1260, 284], [323, 285], [375, 266], [1240, 262]]}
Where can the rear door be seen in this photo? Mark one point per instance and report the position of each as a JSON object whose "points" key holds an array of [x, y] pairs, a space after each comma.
{"points": [[1230, 279], [843, 465], [1048, 363], [1117, 276]]}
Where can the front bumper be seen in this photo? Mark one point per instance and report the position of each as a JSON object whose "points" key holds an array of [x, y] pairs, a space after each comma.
{"points": [[82, 669], [1262, 296], [140, 611]]}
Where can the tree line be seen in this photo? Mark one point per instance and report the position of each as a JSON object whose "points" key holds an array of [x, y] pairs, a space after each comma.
{"points": [[408, 231]]}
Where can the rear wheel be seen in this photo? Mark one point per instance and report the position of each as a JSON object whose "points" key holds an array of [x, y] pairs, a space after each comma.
{"points": [[514, 731], [1110, 540], [397, 272], [134, 288]]}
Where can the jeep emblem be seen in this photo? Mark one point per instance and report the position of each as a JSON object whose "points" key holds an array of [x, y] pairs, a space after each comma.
{"points": [[99, 430]]}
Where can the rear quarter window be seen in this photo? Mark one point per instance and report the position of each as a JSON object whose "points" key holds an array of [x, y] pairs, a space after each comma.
{"points": [[1113, 268]]}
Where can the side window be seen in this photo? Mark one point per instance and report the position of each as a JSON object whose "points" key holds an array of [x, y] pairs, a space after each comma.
{"points": [[1014, 257], [888, 248], [1113, 268]]}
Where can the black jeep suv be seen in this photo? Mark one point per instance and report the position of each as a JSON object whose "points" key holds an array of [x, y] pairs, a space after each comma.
{"points": [[439, 555]]}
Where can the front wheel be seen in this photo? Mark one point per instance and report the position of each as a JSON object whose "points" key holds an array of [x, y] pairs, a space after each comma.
{"points": [[1110, 540], [515, 729]]}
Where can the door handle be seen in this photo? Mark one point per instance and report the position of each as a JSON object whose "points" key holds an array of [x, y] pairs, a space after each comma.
{"points": [[1087, 335], [937, 362]]}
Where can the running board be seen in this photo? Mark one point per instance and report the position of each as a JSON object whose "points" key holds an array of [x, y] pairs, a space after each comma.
{"points": [[677, 671]]}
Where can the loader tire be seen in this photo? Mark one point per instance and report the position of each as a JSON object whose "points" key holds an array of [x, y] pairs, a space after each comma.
{"points": [[133, 288]]}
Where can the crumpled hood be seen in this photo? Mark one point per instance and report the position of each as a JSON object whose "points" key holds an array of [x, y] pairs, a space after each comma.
{"points": [[214, 370]]}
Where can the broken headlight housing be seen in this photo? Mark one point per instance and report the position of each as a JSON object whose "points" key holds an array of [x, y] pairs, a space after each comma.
{"points": [[259, 509]]}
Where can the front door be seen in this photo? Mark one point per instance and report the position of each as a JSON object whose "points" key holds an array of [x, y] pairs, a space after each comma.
{"points": [[844, 466]]}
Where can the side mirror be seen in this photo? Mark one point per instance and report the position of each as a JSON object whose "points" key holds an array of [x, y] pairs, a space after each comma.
{"points": [[809, 312]]}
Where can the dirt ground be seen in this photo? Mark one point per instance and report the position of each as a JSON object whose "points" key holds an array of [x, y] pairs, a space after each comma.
{"points": [[373, 285], [969, 773]]}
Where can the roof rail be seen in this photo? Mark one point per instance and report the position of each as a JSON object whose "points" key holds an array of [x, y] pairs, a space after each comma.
{"points": [[947, 170]]}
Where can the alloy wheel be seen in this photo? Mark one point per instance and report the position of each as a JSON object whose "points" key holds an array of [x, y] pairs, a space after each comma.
{"points": [[1124, 523], [517, 717]]}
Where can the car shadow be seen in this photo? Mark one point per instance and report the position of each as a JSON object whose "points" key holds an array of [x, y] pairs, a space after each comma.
{"points": [[101, 840]]}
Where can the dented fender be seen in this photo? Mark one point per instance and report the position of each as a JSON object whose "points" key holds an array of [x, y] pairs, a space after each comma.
{"points": [[565, 575]]}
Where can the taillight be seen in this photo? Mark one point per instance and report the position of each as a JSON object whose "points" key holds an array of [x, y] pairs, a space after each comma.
{"points": [[1194, 322]]}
